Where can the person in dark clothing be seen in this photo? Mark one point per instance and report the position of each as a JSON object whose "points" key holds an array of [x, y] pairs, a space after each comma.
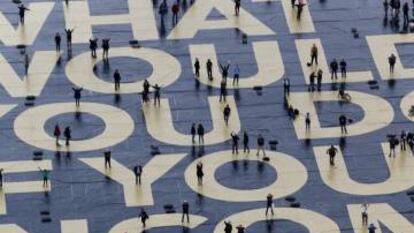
{"points": [[57, 134], [235, 143], [246, 143], [105, 48], [343, 64], [77, 94], [260, 145], [364, 214], [193, 132], [392, 59], [342, 122], [393, 142], [199, 173], [403, 139], [240, 229], [107, 157], [175, 9], [237, 4], [300, 9], [236, 75], [197, 68], [386, 7], [342, 95], [69, 38], [392, 5], [319, 79], [26, 63], [22, 11], [200, 132], [228, 228], [186, 211], [68, 135], [311, 86], [58, 39], [226, 114], [138, 174], [412, 8], [307, 122], [223, 90], [145, 86], [209, 67], [269, 204], [372, 228], [406, 9], [144, 217], [93, 45], [410, 140], [163, 9], [225, 70], [334, 69], [157, 94], [332, 153], [1, 177], [397, 7], [314, 55], [117, 80]]}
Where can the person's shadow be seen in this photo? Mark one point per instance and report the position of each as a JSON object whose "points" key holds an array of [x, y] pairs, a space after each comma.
{"points": [[163, 32], [269, 225], [342, 142], [201, 151], [117, 98], [78, 115], [106, 66]]}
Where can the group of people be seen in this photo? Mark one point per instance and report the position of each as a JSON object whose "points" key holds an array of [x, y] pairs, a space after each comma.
{"points": [[144, 216], [138, 169], [93, 44], [404, 139], [67, 133], [228, 226], [197, 130], [334, 67], [342, 95], [77, 92], [318, 76], [343, 122], [185, 206], [394, 8], [146, 91], [235, 143], [44, 173], [175, 9], [224, 68]]}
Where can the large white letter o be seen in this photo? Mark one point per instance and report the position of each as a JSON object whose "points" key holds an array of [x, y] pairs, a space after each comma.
{"points": [[29, 126]]}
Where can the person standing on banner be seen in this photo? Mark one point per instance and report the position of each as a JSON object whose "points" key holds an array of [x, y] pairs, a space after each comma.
{"points": [[300, 5]]}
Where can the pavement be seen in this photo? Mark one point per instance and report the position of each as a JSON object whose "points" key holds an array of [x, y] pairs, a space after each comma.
{"points": [[85, 197]]}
